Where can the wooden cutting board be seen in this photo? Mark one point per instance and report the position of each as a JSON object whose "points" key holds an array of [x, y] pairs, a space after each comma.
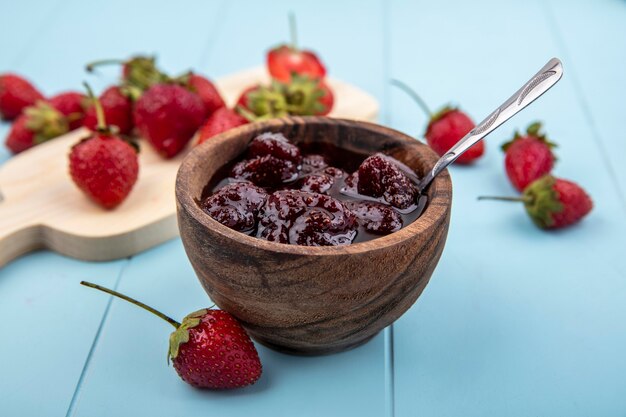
{"points": [[42, 208]]}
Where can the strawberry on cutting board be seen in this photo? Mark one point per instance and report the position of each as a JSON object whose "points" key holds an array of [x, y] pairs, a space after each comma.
{"points": [[553, 203], [446, 127], [104, 165], [167, 116], [118, 111], [209, 348], [36, 124], [287, 59], [528, 157], [16, 93]]}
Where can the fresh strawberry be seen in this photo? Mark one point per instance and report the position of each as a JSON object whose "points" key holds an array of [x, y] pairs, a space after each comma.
{"points": [[244, 99], [168, 115], [301, 96], [72, 105], [36, 125], [553, 203], [528, 157], [327, 100], [103, 165], [445, 128], [222, 120], [138, 73], [209, 349], [285, 60], [207, 92], [118, 111], [16, 93]]}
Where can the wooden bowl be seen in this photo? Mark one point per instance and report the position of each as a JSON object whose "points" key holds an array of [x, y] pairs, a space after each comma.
{"points": [[312, 300]]}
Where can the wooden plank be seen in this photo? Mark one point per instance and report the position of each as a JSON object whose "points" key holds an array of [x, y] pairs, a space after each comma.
{"points": [[123, 380], [128, 374], [515, 321], [592, 35]]}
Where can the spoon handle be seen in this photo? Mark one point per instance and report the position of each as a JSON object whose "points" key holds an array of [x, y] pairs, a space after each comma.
{"points": [[535, 87]]}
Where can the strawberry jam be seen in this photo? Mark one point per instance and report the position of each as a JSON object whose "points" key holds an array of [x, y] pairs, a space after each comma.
{"points": [[315, 194]]}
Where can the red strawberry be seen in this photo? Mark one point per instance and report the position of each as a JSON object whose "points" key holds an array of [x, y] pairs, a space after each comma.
{"points": [[285, 60], [327, 100], [553, 203], [103, 165], [168, 116], [446, 127], [36, 125], [209, 348], [528, 157], [301, 96], [72, 105], [138, 73], [244, 99], [220, 121], [118, 111], [207, 92], [16, 93]]}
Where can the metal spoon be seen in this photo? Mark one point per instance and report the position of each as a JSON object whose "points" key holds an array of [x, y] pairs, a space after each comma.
{"points": [[532, 90]]}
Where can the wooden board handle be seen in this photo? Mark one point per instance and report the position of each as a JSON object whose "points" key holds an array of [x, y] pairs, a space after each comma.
{"points": [[19, 233]]}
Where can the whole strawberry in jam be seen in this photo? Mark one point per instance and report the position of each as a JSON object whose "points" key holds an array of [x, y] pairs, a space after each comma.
{"points": [[209, 348], [71, 104], [529, 157], [118, 111], [220, 121], [236, 205], [36, 124], [167, 116], [285, 60], [304, 218], [553, 203], [375, 217], [272, 160], [103, 165], [16, 93], [446, 127], [380, 176]]}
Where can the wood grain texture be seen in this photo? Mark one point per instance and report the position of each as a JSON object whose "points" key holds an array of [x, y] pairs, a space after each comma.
{"points": [[312, 300], [42, 208]]}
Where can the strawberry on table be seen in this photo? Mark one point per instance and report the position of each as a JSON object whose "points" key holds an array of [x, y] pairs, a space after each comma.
{"points": [[446, 127], [553, 203], [16, 93], [167, 116], [528, 157], [118, 111], [72, 105], [103, 165], [285, 60], [209, 349], [36, 125]]}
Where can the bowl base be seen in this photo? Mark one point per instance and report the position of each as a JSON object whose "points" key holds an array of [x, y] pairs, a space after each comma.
{"points": [[312, 350]]}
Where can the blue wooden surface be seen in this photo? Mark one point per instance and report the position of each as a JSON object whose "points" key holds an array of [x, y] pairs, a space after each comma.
{"points": [[514, 322]]}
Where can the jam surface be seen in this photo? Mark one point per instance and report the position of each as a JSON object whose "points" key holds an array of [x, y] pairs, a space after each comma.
{"points": [[315, 194]]}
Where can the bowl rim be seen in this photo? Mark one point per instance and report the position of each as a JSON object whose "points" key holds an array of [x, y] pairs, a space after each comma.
{"points": [[437, 207]]}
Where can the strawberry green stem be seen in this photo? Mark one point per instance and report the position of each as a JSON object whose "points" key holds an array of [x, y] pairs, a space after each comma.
{"points": [[420, 102], [293, 31], [515, 199], [92, 65], [133, 301], [101, 122]]}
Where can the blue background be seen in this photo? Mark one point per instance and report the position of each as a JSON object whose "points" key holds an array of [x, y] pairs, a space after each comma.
{"points": [[515, 321]]}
